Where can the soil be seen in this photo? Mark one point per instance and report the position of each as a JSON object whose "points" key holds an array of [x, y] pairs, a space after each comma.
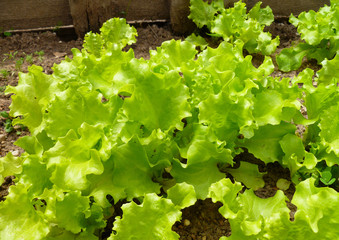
{"points": [[199, 222]]}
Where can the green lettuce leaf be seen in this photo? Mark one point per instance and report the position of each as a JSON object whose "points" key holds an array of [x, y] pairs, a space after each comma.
{"points": [[10, 165], [182, 195], [31, 98], [200, 175], [74, 107], [158, 100], [202, 13], [265, 144], [153, 219], [173, 54], [19, 219], [329, 129], [313, 219], [73, 158], [249, 175], [248, 214], [116, 33]]}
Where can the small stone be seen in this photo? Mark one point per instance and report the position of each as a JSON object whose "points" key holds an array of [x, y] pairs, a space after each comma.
{"points": [[187, 222], [2, 137], [15, 153]]}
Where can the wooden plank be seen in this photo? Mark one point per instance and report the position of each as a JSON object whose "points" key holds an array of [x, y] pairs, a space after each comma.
{"points": [[286, 7], [25, 14], [143, 9], [179, 11], [91, 14]]}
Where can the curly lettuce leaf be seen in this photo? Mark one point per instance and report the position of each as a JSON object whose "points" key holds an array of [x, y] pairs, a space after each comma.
{"points": [[10, 165], [19, 219], [316, 220], [200, 175], [73, 158], [158, 100], [31, 97], [182, 195], [173, 54], [329, 129], [116, 33], [127, 174], [328, 73], [248, 214], [265, 144], [202, 13], [153, 219], [249, 175]]}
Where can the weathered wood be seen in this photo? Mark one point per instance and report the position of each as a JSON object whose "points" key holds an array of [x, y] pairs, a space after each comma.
{"points": [[179, 11], [25, 14], [286, 7], [91, 14]]}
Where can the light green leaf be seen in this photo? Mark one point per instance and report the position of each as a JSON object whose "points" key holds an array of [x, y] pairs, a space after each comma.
{"points": [[132, 171], [30, 144], [174, 54], [294, 151], [265, 144], [226, 192], [31, 97], [19, 219], [197, 41], [329, 126], [268, 108], [202, 13], [70, 211], [226, 117], [198, 144], [10, 165], [159, 100], [182, 195], [263, 15], [153, 219], [200, 175], [73, 158], [93, 43], [328, 73], [75, 106], [283, 184], [290, 58], [36, 183], [116, 33], [249, 175]]}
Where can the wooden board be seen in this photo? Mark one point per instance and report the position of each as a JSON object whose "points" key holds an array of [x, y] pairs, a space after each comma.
{"points": [[91, 14], [88, 15], [27, 14], [286, 7]]}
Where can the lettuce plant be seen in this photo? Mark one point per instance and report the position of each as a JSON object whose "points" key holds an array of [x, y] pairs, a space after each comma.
{"points": [[320, 34], [235, 23]]}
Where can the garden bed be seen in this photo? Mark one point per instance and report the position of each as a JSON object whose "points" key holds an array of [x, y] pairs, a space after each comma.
{"points": [[201, 221]]}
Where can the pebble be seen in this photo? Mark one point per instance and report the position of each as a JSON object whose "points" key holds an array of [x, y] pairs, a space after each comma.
{"points": [[2, 137], [15, 153], [187, 222]]}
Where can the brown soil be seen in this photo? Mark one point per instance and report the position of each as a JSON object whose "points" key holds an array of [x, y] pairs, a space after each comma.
{"points": [[201, 221]]}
